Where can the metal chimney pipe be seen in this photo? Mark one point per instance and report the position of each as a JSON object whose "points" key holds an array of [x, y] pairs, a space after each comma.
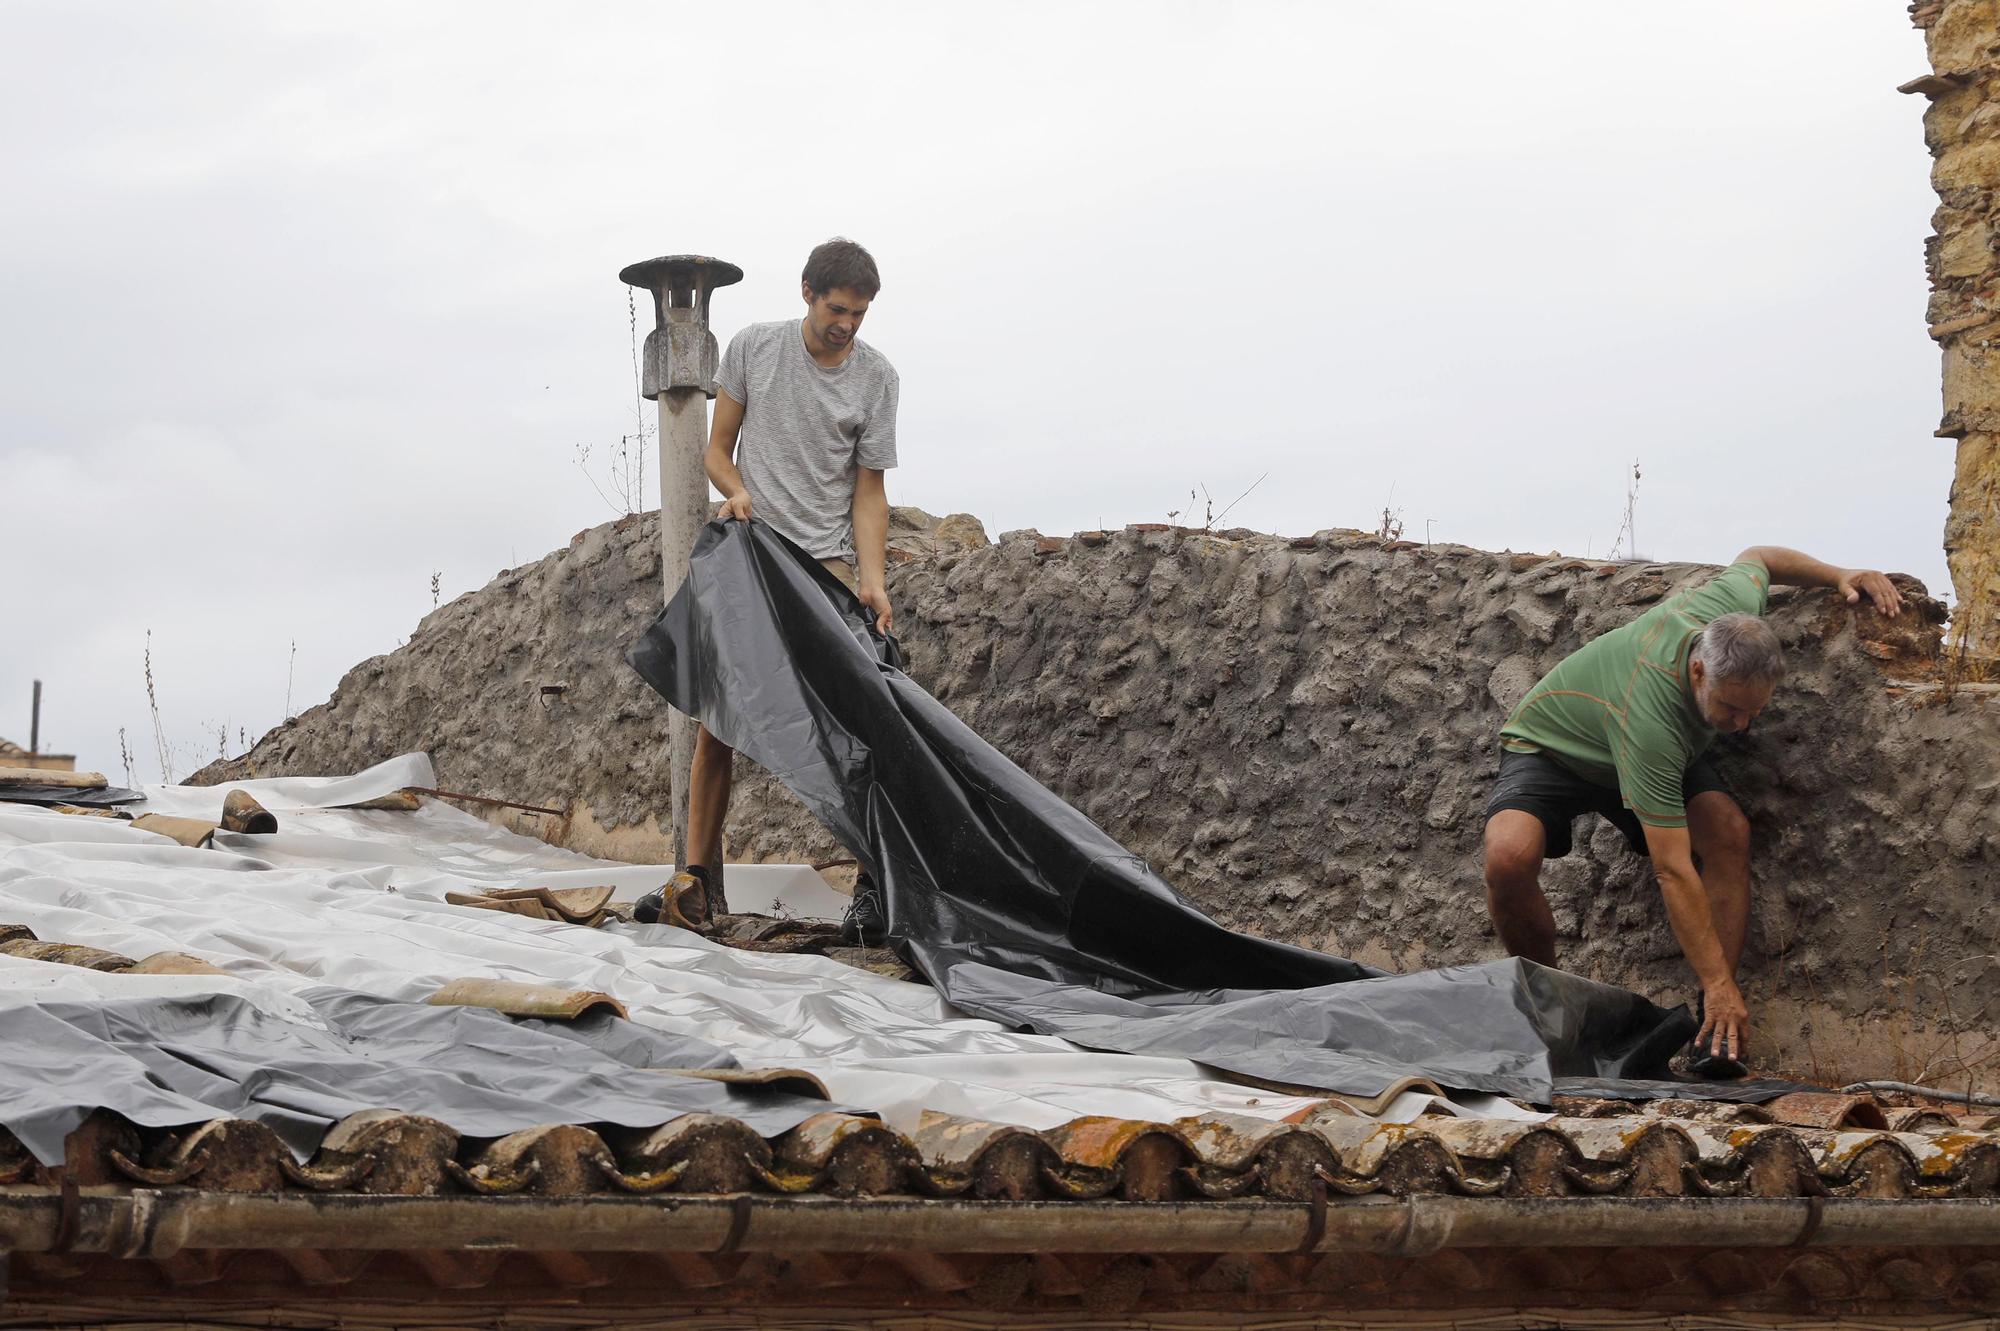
{"points": [[678, 371], [35, 722]]}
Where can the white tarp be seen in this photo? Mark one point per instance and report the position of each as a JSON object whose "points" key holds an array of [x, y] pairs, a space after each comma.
{"points": [[355, 898]]}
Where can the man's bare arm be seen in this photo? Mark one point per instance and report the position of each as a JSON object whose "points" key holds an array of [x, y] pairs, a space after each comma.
{"points": [[871, 539], [1794, 568], [720, 459], [1727, 1017]]}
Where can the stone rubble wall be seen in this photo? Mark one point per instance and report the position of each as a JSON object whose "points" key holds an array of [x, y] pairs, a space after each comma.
{"points": [[1962, 128], [1299, 734]]}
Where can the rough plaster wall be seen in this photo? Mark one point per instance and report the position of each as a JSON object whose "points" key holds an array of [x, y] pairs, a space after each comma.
{"points": [[1299, 734], [1962, 128]]}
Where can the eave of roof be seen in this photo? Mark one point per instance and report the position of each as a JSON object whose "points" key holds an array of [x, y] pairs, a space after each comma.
{"points": [[83, 1255], [160, 1223]]}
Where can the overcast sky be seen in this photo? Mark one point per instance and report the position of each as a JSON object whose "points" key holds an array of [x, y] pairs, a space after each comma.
{"points": [[305, 303]]}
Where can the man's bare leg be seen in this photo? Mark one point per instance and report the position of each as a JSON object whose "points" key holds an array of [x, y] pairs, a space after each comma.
{"points": [[708, 799], [1515, 840], [1721, 837]]}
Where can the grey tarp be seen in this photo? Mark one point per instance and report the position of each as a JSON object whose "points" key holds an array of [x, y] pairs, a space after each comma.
{"points": [[166, 1062], [1020, 909]]}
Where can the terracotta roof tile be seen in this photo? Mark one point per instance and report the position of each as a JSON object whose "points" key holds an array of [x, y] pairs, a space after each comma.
{"points": [[839, 1155]]}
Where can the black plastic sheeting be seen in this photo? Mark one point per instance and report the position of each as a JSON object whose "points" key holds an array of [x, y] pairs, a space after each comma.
{"points": [[1019, 909], [169, 1062], [103, 797]]}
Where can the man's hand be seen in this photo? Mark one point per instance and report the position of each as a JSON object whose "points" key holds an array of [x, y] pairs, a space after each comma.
{"points": [[735, 508], [1726, 1028], [1855, 583], [1795, 569], [877, 599]]}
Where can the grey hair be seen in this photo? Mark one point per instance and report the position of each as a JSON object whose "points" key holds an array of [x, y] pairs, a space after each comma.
{"points": [[1740, 646]]}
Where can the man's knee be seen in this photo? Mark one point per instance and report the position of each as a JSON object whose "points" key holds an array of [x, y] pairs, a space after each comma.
{"points": [[1514, 844], [708, 746], [1718, 827]]}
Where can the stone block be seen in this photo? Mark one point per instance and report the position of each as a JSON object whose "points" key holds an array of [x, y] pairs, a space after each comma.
{"points": [[1967, 166], [1966, 252], [1965, 37], [1972, 385]]}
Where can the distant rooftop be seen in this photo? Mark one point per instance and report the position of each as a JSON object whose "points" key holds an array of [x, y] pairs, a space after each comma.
{"points": [[13, 755]]}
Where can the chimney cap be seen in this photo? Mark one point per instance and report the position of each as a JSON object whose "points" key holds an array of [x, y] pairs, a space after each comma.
{"points": [[680, 270]]}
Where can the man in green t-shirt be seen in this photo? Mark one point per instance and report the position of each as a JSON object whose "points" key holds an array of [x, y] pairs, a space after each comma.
{"points": [[1619, 728]]}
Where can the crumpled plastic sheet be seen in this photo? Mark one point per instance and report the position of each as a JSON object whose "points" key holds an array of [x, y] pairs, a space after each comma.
{"points": [[355, 898], [101, 797], [167, 1060], [1020, 909]]}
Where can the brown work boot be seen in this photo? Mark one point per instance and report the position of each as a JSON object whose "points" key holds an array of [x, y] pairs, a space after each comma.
{"points": [[683, 902]]}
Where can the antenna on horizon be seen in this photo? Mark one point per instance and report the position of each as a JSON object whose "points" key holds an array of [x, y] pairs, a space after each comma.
{"points": [[1627, 539]]}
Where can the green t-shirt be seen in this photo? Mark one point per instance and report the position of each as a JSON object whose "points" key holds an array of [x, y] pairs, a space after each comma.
{"points": [[1617, 711]]}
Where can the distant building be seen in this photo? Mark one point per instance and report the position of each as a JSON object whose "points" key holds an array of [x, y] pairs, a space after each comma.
{"points": [[13, 755]]}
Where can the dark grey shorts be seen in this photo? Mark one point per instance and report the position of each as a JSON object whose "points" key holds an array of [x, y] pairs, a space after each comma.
{"points": [[1538, 784]]}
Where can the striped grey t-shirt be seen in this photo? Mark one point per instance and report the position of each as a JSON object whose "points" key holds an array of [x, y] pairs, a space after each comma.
{"points": [[805, 430]]}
